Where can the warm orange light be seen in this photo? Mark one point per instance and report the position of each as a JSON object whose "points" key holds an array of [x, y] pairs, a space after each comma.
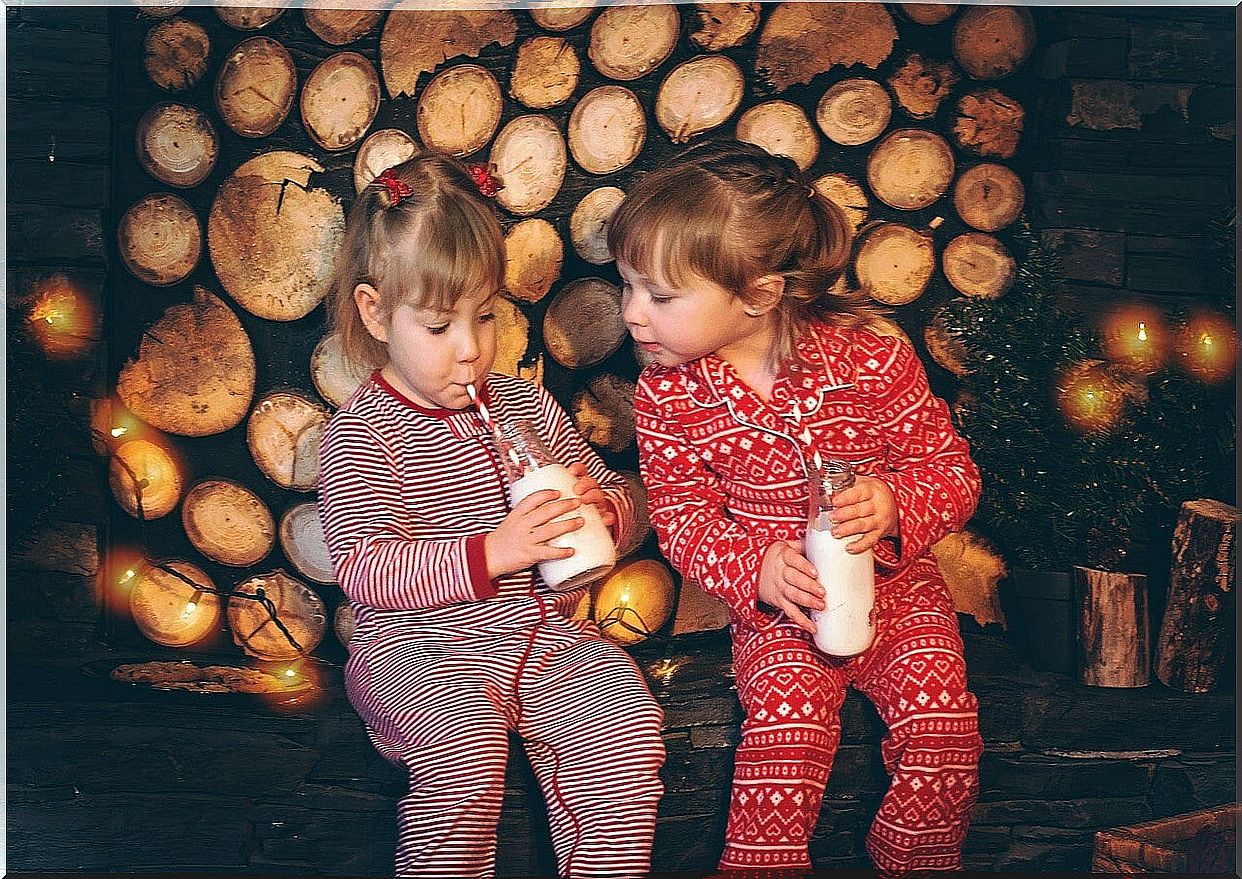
{"points": [[144, 475], [634, 601], [1207, 347], [1088, 398], [62, 319], [1136, 336]]}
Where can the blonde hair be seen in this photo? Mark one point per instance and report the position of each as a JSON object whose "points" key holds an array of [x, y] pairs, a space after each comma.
{"points": [[429, 248], [731, 213]]}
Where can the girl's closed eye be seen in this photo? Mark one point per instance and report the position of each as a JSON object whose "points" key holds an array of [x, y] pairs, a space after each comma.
{"points": [[487, 316], [438, 329]]}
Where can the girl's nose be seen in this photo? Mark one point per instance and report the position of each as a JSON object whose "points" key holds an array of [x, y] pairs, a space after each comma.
{"points": [[631, 313], [469, 348]]}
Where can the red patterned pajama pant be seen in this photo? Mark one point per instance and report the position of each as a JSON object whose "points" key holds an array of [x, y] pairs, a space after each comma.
{"points": [[915, 675], [442, 701]]}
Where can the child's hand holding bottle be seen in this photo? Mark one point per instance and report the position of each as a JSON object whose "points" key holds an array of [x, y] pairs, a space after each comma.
{"points": [[868, 508], [521, 539], [588, 489], [787, 581]]}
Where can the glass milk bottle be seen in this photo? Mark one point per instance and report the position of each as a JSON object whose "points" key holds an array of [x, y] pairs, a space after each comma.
{"points": [[844, 628], [530, 467]]}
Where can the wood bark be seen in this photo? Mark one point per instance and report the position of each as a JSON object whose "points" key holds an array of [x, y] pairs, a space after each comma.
{"points": [[894, 263], [631, 41], [991, 42], [988, 196], [978, 265], [529, 158], [302, 540], [782, 129], [338, 25], [854, 111], [228, 523], [273, 237], [801, 40], [1114, 632], [945, 349], [588, 224], [339, 100], [255, 87], [534, 254], [283, 435], [910, 168], [583, 324], [1197, 634], [334, 376], [160, 239], [168, 610], [380, 151], [566, 15], [921, 84], [545, 73], [723, 25], [298, 607], [175, 54], [847, 194], [194, 374], [177, 144], [248, 18], [603, 412], [698, 95], [989, 123], [417, 40], [159, 10], [459, 110], [607, 129], [144, 479]]}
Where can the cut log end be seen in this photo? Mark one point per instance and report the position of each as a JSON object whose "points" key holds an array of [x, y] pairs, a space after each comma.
{"points": [[228, 523], [607, 129], [534, 254], [782, 129], [583, 324], [894, 263], [910, 168], [628, 42], [459, 110], [529, 158], [978, 265], [339, 100], [721, 26]]}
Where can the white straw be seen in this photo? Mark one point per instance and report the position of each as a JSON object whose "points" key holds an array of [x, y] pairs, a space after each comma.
{"points": [[805, 436]]}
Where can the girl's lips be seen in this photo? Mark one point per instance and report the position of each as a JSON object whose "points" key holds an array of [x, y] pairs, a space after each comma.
{"points": [[649, 346]]}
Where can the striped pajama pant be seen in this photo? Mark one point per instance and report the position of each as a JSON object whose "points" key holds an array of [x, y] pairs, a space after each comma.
{"points": [[441, 699], [915, 675]]}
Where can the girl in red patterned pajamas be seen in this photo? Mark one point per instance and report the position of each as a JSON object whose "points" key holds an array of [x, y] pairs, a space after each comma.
{"points": [[458, 641], [729, 260]]}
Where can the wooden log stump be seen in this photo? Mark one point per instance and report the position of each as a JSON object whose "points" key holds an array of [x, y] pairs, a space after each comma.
{"points": [[607, 129], [642, 515], [160, 239], [529, 158], [335, 377], [170, 611], [588, 224], [698, 95], [302, 540], [920, 84], [1197, 634], [545, 73], [991, 42], [988, 196], [978, 265], [782, 129], [1114, 632], [256, 86], [512, 342], [228, 523], [283, 435], [847, 194], [339, 100], [723, 25], [603, 412], [894, 263], [459, 110], [945, 349], [417, 40], [380, 151], [910, 168], [194, 374], [928, 13], [583, 324], [565, 15], [628, 42], [175, 53], [144, 479], [273, 236], [854, 111], [534, 254], [177, 144], [298, 607], [336, 24], [248, 18], [801, 40], [989, 123]]}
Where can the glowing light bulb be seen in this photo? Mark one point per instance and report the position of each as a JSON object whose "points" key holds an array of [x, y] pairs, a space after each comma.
{"points": [[128, 575], [290, 673], [624, 598], [1142, 333], [119, 431]]}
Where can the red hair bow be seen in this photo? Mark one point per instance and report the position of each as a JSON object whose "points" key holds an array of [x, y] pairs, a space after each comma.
{"points": [[397, 188], [488, 185]]}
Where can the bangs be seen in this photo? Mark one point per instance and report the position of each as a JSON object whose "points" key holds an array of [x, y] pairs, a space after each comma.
{"points": [[453, 252]]}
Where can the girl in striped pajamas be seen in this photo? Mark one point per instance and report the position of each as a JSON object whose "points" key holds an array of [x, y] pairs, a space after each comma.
{"points": [[729, 259], [459, 642]]}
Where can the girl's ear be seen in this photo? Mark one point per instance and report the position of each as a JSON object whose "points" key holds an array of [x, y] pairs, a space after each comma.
{"points": [[766, 293], [371, 310]]}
